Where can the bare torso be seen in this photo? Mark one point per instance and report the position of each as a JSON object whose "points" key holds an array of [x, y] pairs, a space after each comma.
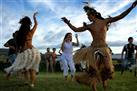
{"points": [[28, 42], [98, 31]]}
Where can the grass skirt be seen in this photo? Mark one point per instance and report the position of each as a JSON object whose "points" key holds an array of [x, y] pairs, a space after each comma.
{"points": [[100, 70], [29, 59]]}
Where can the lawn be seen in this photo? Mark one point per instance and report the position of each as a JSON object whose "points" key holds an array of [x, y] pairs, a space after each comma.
{"points": [[55, 82]]}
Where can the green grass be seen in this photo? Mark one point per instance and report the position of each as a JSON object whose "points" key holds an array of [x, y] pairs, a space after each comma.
{"points": [[55, 82]]}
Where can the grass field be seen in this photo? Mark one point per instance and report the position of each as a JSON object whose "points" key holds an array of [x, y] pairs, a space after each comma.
{"points": [[55, 82]]}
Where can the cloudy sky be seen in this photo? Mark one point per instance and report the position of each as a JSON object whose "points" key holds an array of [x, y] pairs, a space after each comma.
{"points": [[51, 29]]}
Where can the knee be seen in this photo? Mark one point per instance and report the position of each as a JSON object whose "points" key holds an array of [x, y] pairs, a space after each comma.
{"points": [[73, 69], [94, 83]]}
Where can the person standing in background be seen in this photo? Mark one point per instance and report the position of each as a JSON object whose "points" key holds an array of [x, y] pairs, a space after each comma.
{"points": [[129, 50], [48, 59], [12, 48], [54, 56]]}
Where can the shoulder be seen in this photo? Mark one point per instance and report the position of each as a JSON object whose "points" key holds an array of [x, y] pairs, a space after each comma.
{"points": [[65, 43], [106, 20], [125, 46], [10, 40], [134, 46], [87, 25], [45, 53]]}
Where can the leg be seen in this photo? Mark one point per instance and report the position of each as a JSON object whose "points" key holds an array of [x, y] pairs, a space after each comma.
{"points": [[54, 66], [47, 65], [83, 78], [32, 77], [94, 84], [25, 59], [135, 72], [65, 68], [72, 68], [51, 66], [105, 85], [26, 75], [35, 67], [132, 64], [12, 58], [8, 76], [122, 70], [124, 66], [135, 66]]}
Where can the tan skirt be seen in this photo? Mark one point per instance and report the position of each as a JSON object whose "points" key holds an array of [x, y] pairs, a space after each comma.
{"points": [[29, 59], [88, 55]]}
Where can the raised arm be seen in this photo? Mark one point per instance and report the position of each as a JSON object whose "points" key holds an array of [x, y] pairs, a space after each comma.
{"points": [[77, 43], [35, 22], [79, 29], [122, 15]]}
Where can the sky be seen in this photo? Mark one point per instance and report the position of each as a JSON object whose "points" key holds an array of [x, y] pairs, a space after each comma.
{"points": [[51, 30]]}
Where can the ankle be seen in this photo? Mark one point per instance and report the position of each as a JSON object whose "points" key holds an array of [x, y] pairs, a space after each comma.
{"points": [[32, 85], [66, 77], [8, 76], [72, 77]]}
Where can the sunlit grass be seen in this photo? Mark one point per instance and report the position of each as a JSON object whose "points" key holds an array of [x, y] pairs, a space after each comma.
{"points": [[55, 82]]}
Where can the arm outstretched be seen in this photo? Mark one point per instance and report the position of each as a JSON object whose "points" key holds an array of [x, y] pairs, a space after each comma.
{"points": [[79, 29], [122, 15]]}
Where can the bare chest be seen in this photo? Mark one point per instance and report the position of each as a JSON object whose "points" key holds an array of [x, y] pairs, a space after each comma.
{"points": [[99, 26]]}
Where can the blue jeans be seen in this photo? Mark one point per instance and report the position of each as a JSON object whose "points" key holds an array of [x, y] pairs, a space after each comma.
{"points": [[127, 62], [12, 58]]}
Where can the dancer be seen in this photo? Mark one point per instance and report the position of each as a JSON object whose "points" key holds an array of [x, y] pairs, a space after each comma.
{"points": [[28, 57], [100, 67], [67, 56]]}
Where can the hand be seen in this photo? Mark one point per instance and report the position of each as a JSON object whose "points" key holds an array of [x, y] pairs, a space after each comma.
{"points": [[84, 24], [35, 13], [65, 20], [76, 35], [60, 52], [134, 4]]}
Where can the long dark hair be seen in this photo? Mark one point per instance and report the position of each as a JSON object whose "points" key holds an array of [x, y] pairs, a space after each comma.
{"points": [[90, 10], [67, 35], [23, 30]]}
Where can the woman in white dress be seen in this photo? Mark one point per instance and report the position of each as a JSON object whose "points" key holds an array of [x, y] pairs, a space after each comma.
{"points": [[67, 56]]}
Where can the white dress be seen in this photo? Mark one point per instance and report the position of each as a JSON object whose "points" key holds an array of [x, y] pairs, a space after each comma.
{"points": [[67, 59]]}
